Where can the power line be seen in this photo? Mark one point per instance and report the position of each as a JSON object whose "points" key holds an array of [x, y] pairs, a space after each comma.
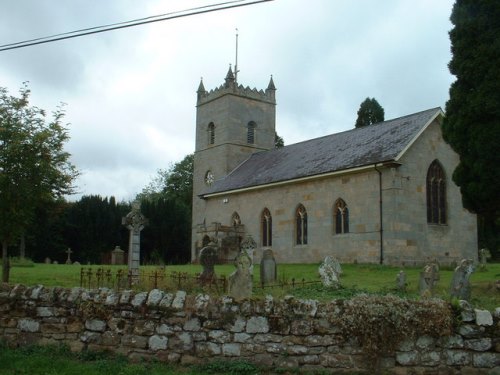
{"points": [[132, 23]]}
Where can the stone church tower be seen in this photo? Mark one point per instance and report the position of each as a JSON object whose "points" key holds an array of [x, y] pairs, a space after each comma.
{"points": [[232, 122]]}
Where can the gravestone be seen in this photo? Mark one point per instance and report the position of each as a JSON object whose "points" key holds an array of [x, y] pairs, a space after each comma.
{"points": [[428, 279], [241, 280], [460, 285], [47, 260], [249, 245], [268, 268], [401, 281], [117, 256], [484, 255], [69, 252], [135, 222], [208, 259], [329, 272]]}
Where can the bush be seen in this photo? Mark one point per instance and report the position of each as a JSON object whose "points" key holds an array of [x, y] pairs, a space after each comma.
{"points": [[380, 323]]}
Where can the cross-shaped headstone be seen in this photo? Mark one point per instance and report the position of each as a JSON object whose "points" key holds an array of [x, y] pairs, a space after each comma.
{"points": [[69, 252], [135, 222]]}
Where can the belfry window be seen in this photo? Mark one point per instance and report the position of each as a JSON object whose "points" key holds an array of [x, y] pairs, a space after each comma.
{"points": [[211, 133], [301, 225], [436, 194], [251, 132], [341, 217], [267, 228]]}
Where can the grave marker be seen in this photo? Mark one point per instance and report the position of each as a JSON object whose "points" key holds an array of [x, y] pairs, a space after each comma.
{"points": [[135, 222]]}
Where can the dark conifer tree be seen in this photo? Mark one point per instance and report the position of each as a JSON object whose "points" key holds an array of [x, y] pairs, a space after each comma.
{"points": [[370, 112], [472, 123]]}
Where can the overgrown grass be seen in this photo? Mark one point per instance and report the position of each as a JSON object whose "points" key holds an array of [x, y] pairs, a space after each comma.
{"points": [[356, 278], [59, 360]]}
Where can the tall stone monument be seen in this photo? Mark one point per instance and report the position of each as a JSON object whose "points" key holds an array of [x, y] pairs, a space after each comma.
{"points": [[135, 222]]}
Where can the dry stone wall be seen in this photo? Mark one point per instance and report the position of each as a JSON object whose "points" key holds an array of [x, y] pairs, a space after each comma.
{"points": [[287, 333]]}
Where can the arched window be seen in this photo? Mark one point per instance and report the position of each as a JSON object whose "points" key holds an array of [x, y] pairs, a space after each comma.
{"points": [[235, 219], [436, 194], [211, 133], [301, 225], [251, 132], [267, 228], [341, 217]]}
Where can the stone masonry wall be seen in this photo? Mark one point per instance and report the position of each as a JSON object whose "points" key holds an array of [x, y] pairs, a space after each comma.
{"points": [[287, 333]]}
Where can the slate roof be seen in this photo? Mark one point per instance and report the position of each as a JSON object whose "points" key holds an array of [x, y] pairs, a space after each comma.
{"points": [[376, 143]]}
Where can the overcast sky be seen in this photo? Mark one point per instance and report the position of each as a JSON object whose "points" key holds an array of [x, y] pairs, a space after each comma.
{"points": [[131, 93]]}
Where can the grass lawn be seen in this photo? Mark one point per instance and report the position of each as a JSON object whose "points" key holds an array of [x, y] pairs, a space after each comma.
{"points": [[356, 278]]}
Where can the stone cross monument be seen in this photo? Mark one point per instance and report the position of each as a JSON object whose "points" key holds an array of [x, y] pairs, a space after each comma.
{"points": [[135, 222]]}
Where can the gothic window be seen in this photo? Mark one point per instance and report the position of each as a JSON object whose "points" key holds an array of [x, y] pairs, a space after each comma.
{"points": [[235, 219], [267, 228], [251, 132], [436, 194], [211, 133], [301, 225], [341, 217]]}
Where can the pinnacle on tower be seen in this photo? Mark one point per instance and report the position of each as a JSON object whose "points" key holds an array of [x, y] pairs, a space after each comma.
{"points": [[271, 84], [201, 89], [229, 78]]}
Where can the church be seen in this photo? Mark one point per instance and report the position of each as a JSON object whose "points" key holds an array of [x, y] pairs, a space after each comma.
{"points": [[382, 193]]}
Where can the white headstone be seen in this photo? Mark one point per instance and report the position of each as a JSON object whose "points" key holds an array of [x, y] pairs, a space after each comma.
{"points": [[329, 272]]}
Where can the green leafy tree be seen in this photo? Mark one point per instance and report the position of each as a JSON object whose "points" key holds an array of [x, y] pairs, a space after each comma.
{"points": [[175, 183], [34, 167], [370, 112], [472, 122]]}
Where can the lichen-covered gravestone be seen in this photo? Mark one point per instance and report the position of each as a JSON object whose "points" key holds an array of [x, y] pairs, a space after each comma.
{"points": [[428, 279], [330, 272], [208, 259], [460, 285], [241, 280], [249, 245], [268, 268]]}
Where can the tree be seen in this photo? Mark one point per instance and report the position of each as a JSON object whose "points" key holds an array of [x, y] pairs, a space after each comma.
{"points": [[278, 141], [93, 227], [33, 165], [472, 122], [173, 183], [370, 112]]}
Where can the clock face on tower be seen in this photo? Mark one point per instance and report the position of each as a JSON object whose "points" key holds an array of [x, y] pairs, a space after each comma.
{"points": [[209, 178]]}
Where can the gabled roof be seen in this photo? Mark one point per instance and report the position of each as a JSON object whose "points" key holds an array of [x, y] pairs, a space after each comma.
{"points": [[382, 142]]}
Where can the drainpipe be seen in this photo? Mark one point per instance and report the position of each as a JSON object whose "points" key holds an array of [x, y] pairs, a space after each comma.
{"points": [[381, 216]]}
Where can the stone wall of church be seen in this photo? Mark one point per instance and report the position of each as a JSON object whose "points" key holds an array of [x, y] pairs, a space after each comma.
{"points": [[407, 237], [289, 333]]}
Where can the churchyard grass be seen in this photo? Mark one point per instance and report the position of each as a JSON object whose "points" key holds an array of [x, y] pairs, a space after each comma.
{"points": [[356, 278]]}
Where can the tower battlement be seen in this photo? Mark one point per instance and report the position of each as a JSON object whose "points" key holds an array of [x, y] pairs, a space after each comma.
{"points": [[231, 87]]}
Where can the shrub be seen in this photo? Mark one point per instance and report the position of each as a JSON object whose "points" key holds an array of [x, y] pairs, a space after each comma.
{"points": [[380, 323]]}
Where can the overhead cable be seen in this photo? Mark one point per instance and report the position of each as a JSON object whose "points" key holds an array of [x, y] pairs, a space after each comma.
{"points": [[132, 23]]}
